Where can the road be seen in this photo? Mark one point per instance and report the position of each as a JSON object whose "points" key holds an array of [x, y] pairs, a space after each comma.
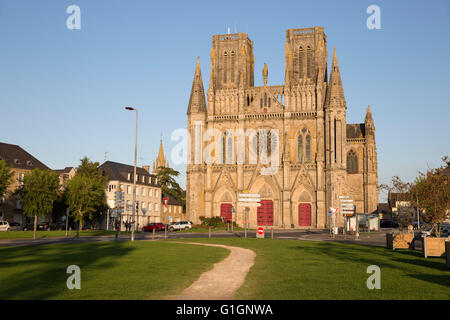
{"points": [[372, 239]]}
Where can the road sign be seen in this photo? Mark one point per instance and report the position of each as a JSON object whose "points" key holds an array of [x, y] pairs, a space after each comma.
{"points": [[260, 232], [249, 204], [344, 197], [249, 200], [165, 202], [334, 210]]}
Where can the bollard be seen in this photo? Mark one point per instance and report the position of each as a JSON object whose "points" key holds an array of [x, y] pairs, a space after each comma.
{"points": [[153, 235], [272, 233], [70, 232], [209, 232]]}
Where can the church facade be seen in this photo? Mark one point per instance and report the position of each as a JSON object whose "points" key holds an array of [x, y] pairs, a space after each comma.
{"points": [[290, 143]]}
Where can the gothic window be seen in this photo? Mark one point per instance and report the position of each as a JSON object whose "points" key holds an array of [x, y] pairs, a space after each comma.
{"points": [[232, 66], [300, 148], [265, 99], [230, 148], [301, 62], [310, 63], [223, 149], [352, 162], [304, 146], [272, 142], [225, 68], [308, 148]]}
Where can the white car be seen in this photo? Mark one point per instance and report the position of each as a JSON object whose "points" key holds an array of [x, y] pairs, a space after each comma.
{"points": [[181, 225], [4, 226]]}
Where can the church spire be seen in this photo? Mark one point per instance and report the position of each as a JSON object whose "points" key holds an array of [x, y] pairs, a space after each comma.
{"points": [[161, 159], [335, 92], [368, 122], [197, 102]]}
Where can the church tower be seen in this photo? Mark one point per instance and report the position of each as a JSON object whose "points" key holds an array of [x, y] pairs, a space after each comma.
{"points": [[195, 179], [335, 137]]}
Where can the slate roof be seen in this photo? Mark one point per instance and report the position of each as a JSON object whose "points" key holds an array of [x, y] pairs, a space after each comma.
{"points": [[119, 171], [393, 197], [65, 170], [18, 158], [384, 208], [172, 201], [355, 130]]}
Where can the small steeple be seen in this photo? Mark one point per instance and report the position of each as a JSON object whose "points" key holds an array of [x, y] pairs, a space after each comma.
{"points": [[161, 159], [335, 92], [197, 102], [368, 122], [265, 73]]}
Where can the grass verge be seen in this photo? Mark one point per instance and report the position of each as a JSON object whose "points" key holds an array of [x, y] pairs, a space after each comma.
{"points": [[109, 270]]}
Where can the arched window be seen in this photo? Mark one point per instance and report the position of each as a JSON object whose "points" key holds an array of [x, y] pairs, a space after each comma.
{"points": [[230, 147], [300, 148], [352, 162], [223, 148], [308, 148], [301, 62], [310, 63], [272, 141], [232, 66], [225, 67]]}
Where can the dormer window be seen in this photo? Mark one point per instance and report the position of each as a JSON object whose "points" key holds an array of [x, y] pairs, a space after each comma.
{"points": [[16, 161], [129, 176], [29, 163]]}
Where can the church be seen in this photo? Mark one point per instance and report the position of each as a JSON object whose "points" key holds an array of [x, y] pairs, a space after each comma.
{"points": [[298, 130]]}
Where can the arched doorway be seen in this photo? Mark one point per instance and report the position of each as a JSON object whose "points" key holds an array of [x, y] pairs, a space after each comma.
{"points": [[265, 213], [304, 214], [225, 211]]}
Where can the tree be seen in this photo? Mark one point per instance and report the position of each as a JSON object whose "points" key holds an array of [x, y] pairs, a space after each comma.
{"points": [[166, 178], [84, 194], [91, 170], [432, 190], [5, 178], [38, 192]]}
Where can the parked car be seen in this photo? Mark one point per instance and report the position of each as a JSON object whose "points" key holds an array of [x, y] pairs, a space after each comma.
{"points": [[4, 226], [181, 225], [15, 226], [157, 226], [444, 231], [44, 226], [388, 223]]}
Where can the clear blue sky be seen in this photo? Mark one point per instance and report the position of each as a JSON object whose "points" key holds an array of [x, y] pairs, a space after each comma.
{"points": [[62, 92]]}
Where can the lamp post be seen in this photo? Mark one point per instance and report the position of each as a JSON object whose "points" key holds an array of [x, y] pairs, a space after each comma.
{"points": [[134, 175]]}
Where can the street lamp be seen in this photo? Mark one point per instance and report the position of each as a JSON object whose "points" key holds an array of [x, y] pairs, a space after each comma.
{"points": [[134, 175]]}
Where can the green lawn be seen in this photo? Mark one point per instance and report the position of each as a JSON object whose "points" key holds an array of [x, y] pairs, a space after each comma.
{"points": [[109, 270], [51, 234], [289, 269]]}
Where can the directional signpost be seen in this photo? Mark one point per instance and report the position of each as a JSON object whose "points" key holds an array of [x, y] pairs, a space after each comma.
{"points": [[248, 200], [118, 209], [348, 208]]}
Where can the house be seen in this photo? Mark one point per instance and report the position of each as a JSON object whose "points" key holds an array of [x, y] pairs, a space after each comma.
{"points": [[21, 163], [148, 193], [65, 175], [171, 209]]}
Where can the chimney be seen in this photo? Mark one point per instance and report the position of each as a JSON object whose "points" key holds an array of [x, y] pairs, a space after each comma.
{"points": [[146, 168]]}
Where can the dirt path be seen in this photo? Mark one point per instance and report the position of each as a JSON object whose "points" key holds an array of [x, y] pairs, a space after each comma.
{"points": [[226, 277]]}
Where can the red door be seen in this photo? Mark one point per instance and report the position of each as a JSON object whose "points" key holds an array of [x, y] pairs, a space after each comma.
{"points": [[225, 211], [304, 215], [265, 213]]}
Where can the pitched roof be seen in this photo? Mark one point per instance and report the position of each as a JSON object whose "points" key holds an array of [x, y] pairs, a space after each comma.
{"points": [[393, 197], [65, 170], [355, 130], [18, 158], [171, 200], [119, 171]]}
